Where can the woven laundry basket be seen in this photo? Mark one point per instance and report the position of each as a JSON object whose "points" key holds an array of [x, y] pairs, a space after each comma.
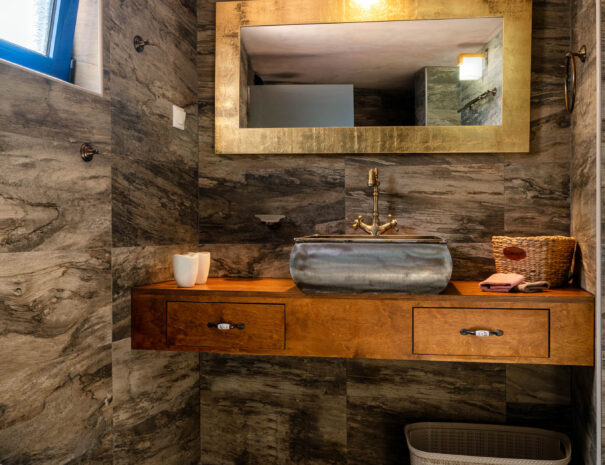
{"points": [[540, 258], [462, 444]]}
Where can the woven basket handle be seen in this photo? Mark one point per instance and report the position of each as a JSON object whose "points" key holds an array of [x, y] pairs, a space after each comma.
{"points": [[572, 268]]}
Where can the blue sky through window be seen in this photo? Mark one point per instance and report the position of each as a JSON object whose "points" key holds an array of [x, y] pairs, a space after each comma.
{"points": [[27, 23]]}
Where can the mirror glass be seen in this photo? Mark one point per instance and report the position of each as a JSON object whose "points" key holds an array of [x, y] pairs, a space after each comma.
{"points": [[396, 73]]}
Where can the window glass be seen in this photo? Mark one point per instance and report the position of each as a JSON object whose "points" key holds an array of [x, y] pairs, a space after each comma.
{"points": [[27, 23]]}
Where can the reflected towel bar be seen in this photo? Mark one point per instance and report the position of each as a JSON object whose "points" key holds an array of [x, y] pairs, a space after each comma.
{"points": [[484, 95]]}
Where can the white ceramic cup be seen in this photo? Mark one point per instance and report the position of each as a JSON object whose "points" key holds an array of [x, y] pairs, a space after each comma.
{"points": [[185, 269], [203, 268]]}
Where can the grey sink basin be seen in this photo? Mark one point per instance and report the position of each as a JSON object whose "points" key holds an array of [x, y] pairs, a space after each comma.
{"points": [[386, 264]]}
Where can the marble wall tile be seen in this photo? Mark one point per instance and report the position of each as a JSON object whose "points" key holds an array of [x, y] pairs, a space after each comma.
{"points": [[51, 110], [50, 199], [156, 407], [384, 396], [298, 376], [136, 266], [472, 260], [249, 260], [584, 140], [537, 199], [538, 384], [546, 416], [155, 166], [550, 136], [308, 191], [463, 203], [55, 376], [273, 429], [539, 396], [443, 94], [272, 410]]}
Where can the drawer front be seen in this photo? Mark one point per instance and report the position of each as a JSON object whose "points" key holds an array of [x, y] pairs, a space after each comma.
{"points": [[194, 324], [525, 333]]}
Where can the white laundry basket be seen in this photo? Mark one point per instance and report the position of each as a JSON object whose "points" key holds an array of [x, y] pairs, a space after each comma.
{"points": [[462, 444]]}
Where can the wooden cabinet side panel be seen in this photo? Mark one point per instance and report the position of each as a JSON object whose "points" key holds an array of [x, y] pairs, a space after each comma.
{"points": [[572, 334], [148, 322]]}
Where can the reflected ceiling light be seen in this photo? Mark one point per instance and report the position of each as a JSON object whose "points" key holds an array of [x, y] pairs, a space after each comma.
{"points": [[471, 66], [365, 3]]}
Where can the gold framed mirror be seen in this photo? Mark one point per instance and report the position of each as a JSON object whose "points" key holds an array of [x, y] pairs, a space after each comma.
{"points": [[300, 76]]}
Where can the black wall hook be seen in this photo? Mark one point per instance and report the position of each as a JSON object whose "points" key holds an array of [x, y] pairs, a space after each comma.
{"points": [[140, 44], [87, 152]]}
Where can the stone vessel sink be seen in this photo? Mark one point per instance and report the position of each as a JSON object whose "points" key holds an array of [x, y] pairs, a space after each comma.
{"points": [[386, 264]]}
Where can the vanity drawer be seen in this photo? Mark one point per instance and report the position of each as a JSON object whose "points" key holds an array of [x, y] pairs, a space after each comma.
{"points": [[194, 324], [525, 332]]}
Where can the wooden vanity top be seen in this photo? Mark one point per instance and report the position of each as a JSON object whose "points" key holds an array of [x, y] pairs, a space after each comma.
{"points": [[273, 317], [286, 288]]}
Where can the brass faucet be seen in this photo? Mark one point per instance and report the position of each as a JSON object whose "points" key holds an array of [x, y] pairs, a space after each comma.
{"points": [[375, 229]]}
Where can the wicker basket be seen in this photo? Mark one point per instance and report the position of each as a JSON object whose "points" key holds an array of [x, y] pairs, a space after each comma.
{"points": [[540, 258], [463, 444]]}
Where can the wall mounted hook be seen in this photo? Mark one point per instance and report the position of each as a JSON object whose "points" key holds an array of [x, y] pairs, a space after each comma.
{"points": [[87, 152], [140, 43]]}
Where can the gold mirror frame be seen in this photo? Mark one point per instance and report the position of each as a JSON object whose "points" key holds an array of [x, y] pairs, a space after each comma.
{"points": [[511, 136]]}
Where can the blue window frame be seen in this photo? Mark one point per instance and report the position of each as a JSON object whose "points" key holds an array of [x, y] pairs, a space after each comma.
{"points": [[57, 60]]}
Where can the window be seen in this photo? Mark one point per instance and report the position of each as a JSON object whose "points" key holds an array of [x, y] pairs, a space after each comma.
{"points": [[39, 34]]}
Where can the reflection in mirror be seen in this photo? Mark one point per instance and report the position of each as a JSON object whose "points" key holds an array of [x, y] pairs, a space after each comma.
{"points": [[395, 73]]}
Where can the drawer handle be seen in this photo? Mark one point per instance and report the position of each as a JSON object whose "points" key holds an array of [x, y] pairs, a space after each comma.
{"points": [[481, 333], [226, 326]]}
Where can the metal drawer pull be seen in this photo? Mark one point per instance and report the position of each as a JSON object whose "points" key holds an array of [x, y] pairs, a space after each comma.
{"points": [[226, 326], [481, 333]]}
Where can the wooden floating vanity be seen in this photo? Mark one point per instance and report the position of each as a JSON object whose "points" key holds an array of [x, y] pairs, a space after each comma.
{"points": [[273, 317]]}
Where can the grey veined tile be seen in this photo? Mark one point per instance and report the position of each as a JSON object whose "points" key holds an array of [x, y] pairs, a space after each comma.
{"points": [[462, 203], [308, 192], [264, 429], [56, 326], [52, 110], [385, 396], [272, 375], [272, 410], [156, 407], [538, 384], [155, 165], [50, 199], [537, 198], [249, 260]]}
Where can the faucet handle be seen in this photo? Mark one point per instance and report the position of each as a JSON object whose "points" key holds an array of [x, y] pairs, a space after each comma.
{"points": [[393, 223], [357, 222]]}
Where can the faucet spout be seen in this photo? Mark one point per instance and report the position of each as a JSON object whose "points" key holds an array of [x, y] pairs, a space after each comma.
{"points": [[375, 229]]}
